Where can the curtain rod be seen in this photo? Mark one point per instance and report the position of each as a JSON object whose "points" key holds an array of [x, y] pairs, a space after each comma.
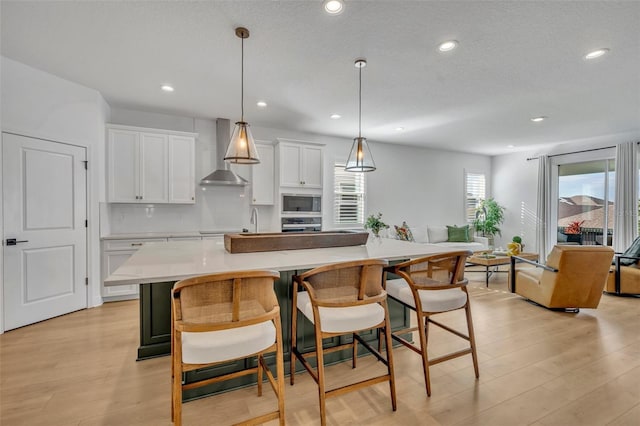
{"points": [[574, 152]]}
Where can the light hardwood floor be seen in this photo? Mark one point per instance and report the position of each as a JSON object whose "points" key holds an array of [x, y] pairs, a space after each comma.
{"points": [[537, 367]]}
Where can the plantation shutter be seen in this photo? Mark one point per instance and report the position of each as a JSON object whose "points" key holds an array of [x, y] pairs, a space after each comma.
{"points": [[475, 192], [348, 196]]}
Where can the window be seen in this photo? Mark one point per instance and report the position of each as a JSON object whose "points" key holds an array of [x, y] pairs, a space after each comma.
{"points": [[474, 189], [586, 193], [348, 192], [582, 198]]}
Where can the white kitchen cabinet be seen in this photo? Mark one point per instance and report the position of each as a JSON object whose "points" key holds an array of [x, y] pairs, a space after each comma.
{"points": [[182, 170], [263, 176], [114, 254], [150, 166], [123, 166], [154, 169], [300, 165], [112, 261]]}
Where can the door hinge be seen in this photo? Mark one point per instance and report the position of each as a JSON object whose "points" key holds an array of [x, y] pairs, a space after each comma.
{"points": [[86, 164], [86, 223], [86, 280]]}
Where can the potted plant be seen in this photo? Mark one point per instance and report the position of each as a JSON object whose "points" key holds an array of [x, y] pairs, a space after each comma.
{"points": [[514, 248], [375, 224], [574, 231], [489, 215]]}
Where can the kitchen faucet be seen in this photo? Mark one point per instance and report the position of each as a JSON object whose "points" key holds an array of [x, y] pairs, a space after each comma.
{"points": [[254, 219]]}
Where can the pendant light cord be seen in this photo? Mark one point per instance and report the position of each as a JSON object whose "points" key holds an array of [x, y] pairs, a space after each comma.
{"points": [[242, 83], [360, 103]]}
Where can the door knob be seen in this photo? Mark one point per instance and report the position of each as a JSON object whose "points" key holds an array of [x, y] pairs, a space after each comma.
{"points": [[13, 241]]}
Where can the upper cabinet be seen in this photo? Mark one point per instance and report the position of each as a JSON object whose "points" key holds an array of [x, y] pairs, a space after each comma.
{"points": [[300, 165], [182, 169], [150, 166], [263, 177], [153, 168]]}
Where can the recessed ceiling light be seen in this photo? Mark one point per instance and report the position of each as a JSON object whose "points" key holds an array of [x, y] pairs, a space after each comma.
{"points": [[336, 116], [261, 104], [399, 129], [538, 119], [511, 146], [333, 7], [448, 45], [166, 88], [596, 53]]}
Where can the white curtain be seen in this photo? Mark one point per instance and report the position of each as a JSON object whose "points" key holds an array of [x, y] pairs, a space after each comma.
{"points": [[543, 211], [625, 228]]}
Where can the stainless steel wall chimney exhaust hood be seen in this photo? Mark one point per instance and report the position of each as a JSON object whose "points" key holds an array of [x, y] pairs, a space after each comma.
{"points": [[222, 176]]}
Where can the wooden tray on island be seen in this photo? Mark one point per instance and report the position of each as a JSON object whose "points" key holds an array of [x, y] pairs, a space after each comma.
{"points": [[275, 241]]}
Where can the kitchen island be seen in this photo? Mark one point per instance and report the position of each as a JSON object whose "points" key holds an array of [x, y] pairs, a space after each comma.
{"points": [[157, 266]]}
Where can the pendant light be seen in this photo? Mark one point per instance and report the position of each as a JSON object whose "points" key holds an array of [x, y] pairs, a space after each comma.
{"points": [[242, 148], [360, 158]]}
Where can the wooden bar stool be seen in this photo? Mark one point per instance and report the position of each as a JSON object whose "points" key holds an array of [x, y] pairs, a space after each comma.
{"points": [[223, 317], [341, 299], [431, 285]]}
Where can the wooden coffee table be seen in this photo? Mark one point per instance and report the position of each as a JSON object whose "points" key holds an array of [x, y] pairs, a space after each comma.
{"points": [[479, 258]]}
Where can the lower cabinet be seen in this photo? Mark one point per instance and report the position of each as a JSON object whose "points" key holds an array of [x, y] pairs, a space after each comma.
{"points": [[114, 254], [112, 261]]}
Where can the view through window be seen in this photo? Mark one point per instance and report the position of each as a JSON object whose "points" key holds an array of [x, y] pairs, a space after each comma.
{"points": [[586, 192]]}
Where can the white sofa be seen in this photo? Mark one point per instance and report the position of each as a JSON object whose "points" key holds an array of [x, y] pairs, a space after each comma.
{"points": [[438, 235]]}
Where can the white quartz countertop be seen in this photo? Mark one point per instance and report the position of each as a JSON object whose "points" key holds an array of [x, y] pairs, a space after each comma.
{"points": [[168, 234], [176, 260]]}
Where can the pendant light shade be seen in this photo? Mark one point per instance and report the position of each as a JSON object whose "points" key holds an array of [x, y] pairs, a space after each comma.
{"points": [[360, 158], [242, 147]]}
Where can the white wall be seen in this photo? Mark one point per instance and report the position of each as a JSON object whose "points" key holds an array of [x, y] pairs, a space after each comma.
{"points": [[420, 186], [41, 105], [515, 184]]}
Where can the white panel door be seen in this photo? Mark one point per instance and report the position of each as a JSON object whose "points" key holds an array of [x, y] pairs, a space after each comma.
{"points": [[44, 203], [154, 166], [123, 170], [181, 170]]}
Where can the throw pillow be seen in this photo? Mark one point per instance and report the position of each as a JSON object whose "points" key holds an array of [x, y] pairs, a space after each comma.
{"points": [[420, 234], [458, 235], [404, 232], [437, 234]]}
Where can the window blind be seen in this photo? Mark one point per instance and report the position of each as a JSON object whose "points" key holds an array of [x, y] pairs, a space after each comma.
{"points": [[474, 192], [348, 196]]}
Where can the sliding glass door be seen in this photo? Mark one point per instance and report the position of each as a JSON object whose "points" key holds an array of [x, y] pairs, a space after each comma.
{"points": [[584, 192]]}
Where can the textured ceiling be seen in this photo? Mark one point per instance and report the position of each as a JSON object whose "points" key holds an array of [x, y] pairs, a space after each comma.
{"points": [[516, 60]]}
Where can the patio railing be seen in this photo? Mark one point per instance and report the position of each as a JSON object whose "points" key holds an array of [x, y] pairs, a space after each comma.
{"points": [[587, 236]]}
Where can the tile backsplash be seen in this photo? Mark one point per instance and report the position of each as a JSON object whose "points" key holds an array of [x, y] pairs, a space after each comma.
{"points": [[216, 208]]}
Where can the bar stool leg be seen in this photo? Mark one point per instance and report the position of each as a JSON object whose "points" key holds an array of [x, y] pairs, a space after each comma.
{"points": [[472, 338], [423, 324], [321, 384], [390, 368]]}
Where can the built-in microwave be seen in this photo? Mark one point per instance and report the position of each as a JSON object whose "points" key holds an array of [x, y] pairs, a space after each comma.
{"points": [[302, 204]]}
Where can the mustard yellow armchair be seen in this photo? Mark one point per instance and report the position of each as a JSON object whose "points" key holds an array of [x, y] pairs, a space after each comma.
{"points": [[624, 279], [573, 277]]}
